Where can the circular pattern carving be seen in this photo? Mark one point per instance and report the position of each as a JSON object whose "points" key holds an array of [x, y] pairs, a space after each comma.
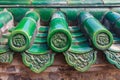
{"points": [[59, 40], [103, 39], [19, 40]]}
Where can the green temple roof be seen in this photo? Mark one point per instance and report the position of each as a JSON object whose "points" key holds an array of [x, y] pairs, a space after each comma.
{"points": [[78, 29], [57, 2]]}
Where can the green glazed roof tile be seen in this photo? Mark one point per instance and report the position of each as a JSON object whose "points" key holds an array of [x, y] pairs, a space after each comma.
{"points": [[77, 34], [85, 2], [45, 13], [21, 38], [43, 29], [74, 29], [98, 12], [49, 2], [33, 14], [59, 37], [80, 55], [39, 45], [69, 2], [96, 31], [40, 40], [70, 13], [6, 57], [39, 56], [80, 48], [81, 62], [38, 49], [15, 1], [41, 35], [113, 53], [18, 13], [79, 40], [113, 58], [38, 63], [41, 1]]}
